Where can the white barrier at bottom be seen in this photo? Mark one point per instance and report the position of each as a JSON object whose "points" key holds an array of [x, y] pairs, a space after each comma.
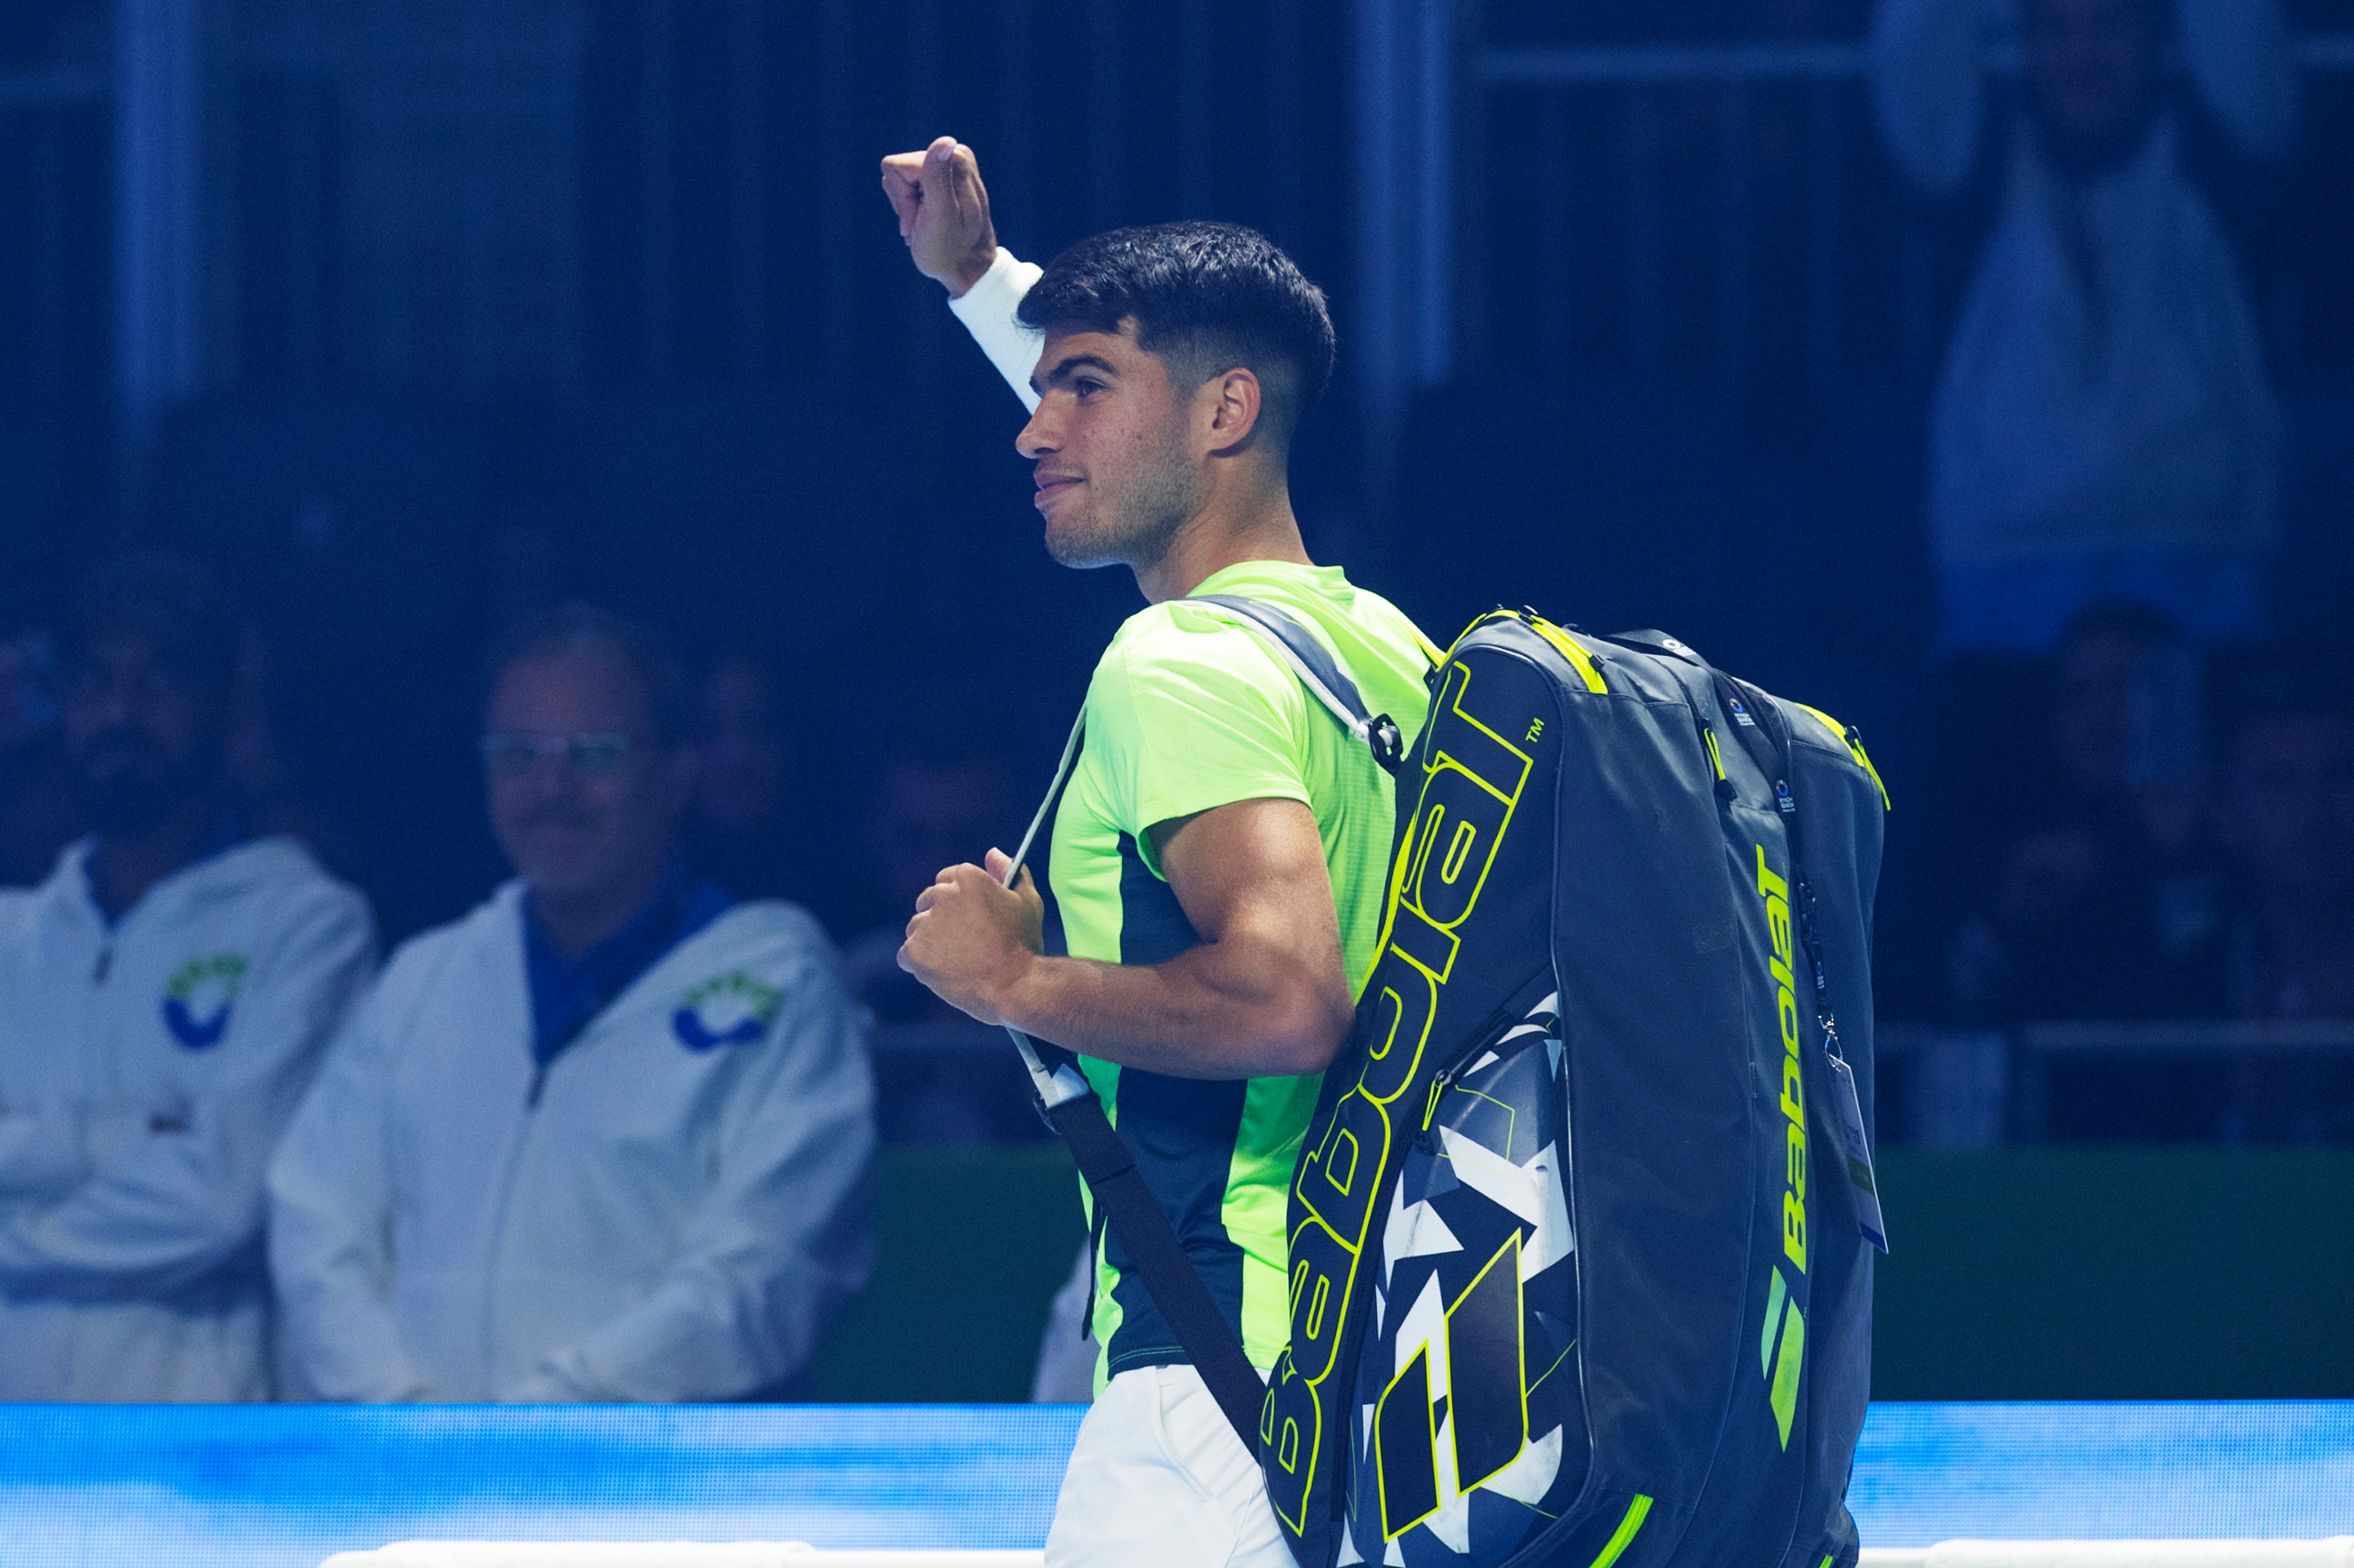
{"points": [[660, 1555], [2337, 1552]]}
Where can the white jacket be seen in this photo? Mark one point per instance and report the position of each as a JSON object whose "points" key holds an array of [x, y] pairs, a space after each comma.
{"points": [[675, 1219], [2115, 401], [146, 1070]]}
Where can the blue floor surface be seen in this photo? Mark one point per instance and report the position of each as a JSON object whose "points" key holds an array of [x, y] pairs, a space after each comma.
{"points": [[282, 1487]]}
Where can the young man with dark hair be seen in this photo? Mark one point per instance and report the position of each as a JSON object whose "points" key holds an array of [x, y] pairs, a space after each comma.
{"points": [[1219, 856], [606, 1137], [164, 997]]}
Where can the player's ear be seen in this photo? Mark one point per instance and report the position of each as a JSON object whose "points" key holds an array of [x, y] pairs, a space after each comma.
{"points": [[1236, 401]]}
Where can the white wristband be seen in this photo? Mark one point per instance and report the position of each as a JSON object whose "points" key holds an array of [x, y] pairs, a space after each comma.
{"points": [[987, 311]]}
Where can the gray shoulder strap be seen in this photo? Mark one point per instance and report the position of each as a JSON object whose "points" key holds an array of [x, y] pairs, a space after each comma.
{"points": [[1319, 672]]}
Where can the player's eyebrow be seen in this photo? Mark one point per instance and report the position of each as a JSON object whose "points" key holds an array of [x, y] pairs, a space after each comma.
{"points": [[1066, 368]]}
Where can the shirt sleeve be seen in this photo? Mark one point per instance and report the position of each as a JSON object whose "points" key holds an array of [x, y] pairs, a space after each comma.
{"points": [[331, 1203], [784, 1240], [987, 311], [182, 1199], [1195, 713], [1928, 86], [2243, 58]]}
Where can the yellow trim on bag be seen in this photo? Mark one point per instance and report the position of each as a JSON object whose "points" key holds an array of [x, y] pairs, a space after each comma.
{"points": [[1637, 1512], [1855, 750], [1571, 652]]}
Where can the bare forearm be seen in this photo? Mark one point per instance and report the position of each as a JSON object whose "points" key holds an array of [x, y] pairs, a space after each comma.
{"points": [[1200, 1015]]}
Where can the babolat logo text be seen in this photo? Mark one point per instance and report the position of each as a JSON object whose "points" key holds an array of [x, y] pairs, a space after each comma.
{"points": [[1783, 1346], [1472, 783]]}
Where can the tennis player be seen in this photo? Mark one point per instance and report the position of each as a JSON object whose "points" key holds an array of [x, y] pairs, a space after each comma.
{"points": [[1219, 856]]}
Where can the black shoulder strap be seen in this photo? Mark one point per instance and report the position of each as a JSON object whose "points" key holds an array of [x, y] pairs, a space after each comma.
{"points": [[1124, 1203]]}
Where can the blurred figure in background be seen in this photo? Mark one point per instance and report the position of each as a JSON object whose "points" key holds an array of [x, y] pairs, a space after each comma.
{"points": [[37, 810], [738, 826], [2102, 426], [606, 1137], [163, 998], [2102, 878], [2286, 821], [947, 788]]}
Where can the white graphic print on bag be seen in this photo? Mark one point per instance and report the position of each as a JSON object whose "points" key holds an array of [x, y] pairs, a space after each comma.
{"points": [[1467, 1392]]}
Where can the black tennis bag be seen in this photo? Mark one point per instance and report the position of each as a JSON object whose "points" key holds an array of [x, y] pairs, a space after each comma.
{"points": [[1579, 1235]]}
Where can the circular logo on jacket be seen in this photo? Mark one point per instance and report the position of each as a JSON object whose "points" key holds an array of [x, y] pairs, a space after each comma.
{"points": [[197, 999], [732, 1009]]}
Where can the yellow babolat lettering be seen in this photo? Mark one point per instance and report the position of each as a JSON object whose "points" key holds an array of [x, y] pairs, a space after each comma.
{"points": [[1777, 894], [1471, 787], [1783, 1348]]}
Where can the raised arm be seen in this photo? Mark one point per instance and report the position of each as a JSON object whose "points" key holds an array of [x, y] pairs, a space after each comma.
{"points": [[943, 213], [2243, 58], [1928, 86]]}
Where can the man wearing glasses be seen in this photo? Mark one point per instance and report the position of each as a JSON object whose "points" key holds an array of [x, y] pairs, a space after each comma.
{"points": [[164, 997], [604, 1139]]}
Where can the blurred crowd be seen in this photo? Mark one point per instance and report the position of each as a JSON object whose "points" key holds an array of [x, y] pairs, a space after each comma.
{"points": [[607, 1135]]}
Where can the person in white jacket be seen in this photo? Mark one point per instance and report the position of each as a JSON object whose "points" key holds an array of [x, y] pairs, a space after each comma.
{"points": [[2102, 429], [606, 1137], [164, 997]]}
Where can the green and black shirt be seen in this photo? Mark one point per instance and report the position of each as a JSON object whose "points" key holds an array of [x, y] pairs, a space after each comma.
{"points": [[1188, 710]]}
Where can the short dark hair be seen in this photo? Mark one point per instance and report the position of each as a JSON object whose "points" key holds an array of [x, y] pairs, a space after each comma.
{"points": [[1206, 297], [639, 645], [178, 604]]}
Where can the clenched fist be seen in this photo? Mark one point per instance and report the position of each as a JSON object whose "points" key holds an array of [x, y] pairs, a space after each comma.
{"points": [[973, 938], [943, 211]]}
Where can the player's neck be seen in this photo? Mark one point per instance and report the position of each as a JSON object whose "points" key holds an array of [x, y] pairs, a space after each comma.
{"points": [[1256, 525]]}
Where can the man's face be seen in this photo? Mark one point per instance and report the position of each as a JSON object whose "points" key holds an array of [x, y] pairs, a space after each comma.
{"points": [[1112, 438], [589, 820], [2093, 67], [2289, 807], [142, 738]]}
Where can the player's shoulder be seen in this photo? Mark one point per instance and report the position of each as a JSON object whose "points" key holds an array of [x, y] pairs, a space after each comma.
{"points": [[1182, 645]]}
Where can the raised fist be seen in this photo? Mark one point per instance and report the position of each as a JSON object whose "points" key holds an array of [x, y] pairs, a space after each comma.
{"points": [[943, 211]]}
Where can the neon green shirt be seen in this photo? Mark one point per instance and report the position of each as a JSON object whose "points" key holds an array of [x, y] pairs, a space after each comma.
{"points": [[1188, 710]]}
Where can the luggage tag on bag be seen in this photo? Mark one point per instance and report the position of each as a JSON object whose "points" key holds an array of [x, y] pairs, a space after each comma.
{"points": [[1847, 1109]]}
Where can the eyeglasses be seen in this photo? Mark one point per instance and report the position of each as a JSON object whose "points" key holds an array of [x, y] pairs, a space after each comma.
{"points": [[596, 756]]}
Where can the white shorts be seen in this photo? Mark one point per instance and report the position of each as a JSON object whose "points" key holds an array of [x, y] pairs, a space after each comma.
{"points": [[1157, 1480]]}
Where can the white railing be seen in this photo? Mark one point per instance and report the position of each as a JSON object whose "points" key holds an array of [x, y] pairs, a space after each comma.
{"points": [[2333, 1553]]}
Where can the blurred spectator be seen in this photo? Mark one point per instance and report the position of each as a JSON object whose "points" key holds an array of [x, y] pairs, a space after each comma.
{"points": [[2286, 817], [947, 796], [2103, 425], [37, 810], [2102, 875], [604, 1139], [163, 998], [737, 825]]}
